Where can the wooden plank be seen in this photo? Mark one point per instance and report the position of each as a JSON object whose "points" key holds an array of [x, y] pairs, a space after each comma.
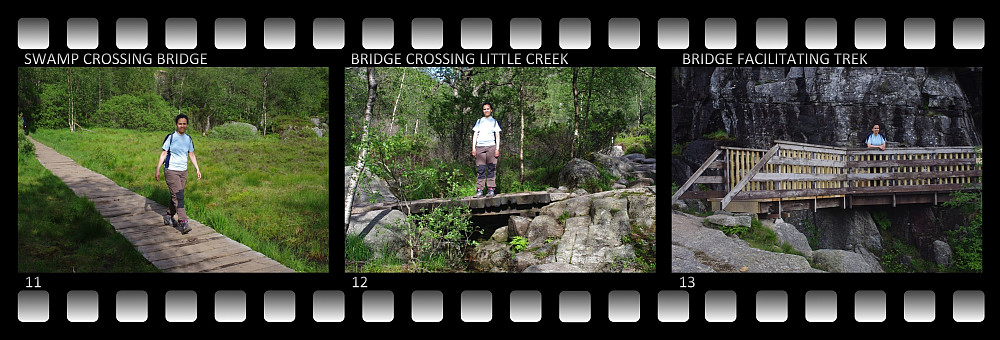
{"points": [[703, 194], [746, 179], [694, 177], [914, 162], [806, 162], [914, 175], [766, 177], [710, 179], [812, 148], [907, 151]]}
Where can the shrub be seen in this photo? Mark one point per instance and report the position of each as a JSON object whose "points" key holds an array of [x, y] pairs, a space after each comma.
{"points": [[519, 243], [145, 112], [234, 131], [24, 146]]}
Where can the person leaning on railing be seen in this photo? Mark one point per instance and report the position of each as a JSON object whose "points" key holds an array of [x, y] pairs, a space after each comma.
{"points": [[876, 140]]}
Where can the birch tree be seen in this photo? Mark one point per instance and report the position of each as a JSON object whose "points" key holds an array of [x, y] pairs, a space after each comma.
{"points": [[360, 165]]}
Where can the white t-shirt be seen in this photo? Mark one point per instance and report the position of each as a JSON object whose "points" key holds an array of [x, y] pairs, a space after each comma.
{"points": [[486, 128]]}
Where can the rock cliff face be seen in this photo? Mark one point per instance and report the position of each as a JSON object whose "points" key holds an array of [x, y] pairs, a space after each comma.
{"points": [[819, 105]]}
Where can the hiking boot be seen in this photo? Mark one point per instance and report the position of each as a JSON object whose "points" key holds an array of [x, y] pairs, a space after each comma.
{"points": [[168, 220], [479, 193], [491, 193], [184, 227]]}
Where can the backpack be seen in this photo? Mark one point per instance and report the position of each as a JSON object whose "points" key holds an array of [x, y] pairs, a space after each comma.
{"points": [[166, 161]]}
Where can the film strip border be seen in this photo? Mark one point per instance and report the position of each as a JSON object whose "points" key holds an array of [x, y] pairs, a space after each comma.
{"points": [[526, 306], [485, 306], [477, 33]]}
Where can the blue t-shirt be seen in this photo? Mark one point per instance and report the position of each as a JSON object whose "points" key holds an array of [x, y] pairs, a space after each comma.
{"points": [[486, 128], [179, 145], [874, 139]]}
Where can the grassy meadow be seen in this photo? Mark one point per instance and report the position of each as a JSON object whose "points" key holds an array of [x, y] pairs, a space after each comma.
{"points": [[269, 194]]}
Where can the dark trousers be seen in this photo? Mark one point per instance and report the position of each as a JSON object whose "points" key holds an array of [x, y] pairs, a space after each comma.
{"points": [[176, 180], [486, 167]]}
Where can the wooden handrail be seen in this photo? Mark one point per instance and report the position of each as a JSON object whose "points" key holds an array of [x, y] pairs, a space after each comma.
{"points": [[796, 167]]}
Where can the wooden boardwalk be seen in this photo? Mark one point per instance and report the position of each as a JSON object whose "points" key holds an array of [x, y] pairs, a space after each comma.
{"points": [[798, 176], [140, 220]]}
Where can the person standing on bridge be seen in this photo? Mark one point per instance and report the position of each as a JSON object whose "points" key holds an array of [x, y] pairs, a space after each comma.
{"points": [[486, 150], [875, 139], [177, 148]]}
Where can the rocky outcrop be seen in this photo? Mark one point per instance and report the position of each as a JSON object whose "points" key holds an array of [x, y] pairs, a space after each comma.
{"points": [[697, 249], [849, 243], [587, 233], [842, 261]]}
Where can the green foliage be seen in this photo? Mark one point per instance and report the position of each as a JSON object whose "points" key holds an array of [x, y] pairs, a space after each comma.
{"points": [[141, 97], [233, 132], [881, 219], [518, 243], [24, 146], [144, 112], [719, 135], [441, 234], [967, 241], [563, 217], [643, 242], [355, 248], [678, 149], [811, 232], [639, 139], [739, 230], [600, 183]]}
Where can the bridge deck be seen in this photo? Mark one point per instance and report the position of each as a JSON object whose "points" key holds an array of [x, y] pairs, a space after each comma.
{"points": [[512, 203], [799, 172]]}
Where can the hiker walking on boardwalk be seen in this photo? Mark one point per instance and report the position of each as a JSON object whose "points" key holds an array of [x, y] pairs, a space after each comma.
{"points": [[486, 149], [176, 146]]}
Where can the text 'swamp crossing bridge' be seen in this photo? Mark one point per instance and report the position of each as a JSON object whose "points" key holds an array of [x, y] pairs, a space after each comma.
{"points": [[798, 176]]}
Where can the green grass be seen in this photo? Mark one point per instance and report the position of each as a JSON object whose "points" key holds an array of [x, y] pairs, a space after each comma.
{"points": [[269, 194], [59, 232]]}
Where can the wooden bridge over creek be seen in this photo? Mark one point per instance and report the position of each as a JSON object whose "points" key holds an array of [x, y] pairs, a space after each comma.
{"points": [[521, 203], [799, 176]]}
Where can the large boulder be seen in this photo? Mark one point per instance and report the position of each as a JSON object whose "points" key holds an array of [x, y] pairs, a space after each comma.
{"points": [[842, 261], [788, 233], [616, 166], [942, 253], [576, 173], [377, 229], [730, 220], [370, 188]]}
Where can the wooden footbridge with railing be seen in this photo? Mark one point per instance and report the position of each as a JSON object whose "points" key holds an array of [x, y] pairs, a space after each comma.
{"points": [[799, 176]]}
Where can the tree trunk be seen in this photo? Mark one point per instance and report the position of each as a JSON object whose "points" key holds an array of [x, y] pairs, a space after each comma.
{"points": [[520, 146], [360, 165], [263, 103], [69, 99], [576, 114], [392, 119]]}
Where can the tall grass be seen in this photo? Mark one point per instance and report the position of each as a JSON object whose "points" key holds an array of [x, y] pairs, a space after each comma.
{"points": [[271, 195]]}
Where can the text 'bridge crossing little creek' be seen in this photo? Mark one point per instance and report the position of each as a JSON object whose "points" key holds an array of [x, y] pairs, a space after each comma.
{"points": [[799, 176]]}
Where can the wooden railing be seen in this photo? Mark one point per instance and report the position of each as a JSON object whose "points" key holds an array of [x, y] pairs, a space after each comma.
{"points": [[791, 169]]}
